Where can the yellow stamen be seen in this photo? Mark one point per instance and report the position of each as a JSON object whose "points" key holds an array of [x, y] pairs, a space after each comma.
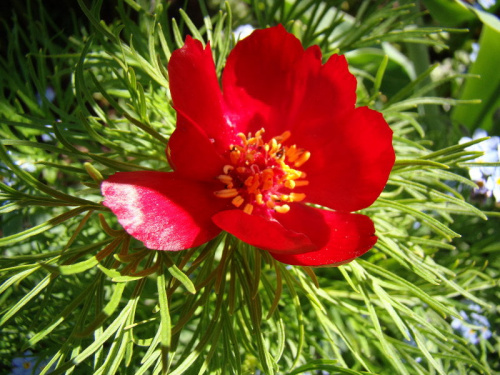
{"points": [[274, 146], [292, 153], [243, 138], [258, 172], [248, 209], [297, 197], [259, 199], [226, 193], [267, 179], [227, 168], [282, 209], [283, 137], [224, 178], [258, 136], [302, 159], [301, 183], [284, 198], [238, 200], [234, 155], [255, 184], [293, 174]]}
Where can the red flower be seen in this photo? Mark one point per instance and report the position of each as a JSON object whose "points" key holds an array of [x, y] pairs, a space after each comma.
{"points": [[283, 132]]}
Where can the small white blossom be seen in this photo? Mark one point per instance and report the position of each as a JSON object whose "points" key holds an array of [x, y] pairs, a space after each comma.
{"points": [[486, 4], [475, 51], [243, 31], [28, 364], [484, 176], [473, 328], [493, 184], [50, 95]]}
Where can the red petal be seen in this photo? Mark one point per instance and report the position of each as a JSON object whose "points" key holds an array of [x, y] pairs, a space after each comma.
{"points": [[271, 82], [196, 93], [256, 80], [350, 172], [163, 210], [341, 237], [328, 95], [191, 153], [262, 233]]}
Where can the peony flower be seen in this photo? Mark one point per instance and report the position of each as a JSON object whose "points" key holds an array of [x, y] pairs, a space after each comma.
{"points": [[250, 158]]}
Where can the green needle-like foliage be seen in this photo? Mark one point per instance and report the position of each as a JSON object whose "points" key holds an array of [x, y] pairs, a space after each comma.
{"points": [[80, 292]]}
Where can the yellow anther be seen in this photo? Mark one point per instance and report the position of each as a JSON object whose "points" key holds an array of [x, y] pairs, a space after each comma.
{"points": [[227, 168], [297, 197], [302, 159], [224, 178], [292, 174], [259, 199], [282, 209], [274, 146], [258, 172], [258, 137], [226, 193], [243, 138], [234, 155], [285, 198], [248, 208], [301, 183], [238, 200], [283, 137], [255, 184], [292, 153]]}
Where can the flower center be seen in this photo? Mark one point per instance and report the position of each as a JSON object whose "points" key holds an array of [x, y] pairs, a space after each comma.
{"points": [[260, 175]]}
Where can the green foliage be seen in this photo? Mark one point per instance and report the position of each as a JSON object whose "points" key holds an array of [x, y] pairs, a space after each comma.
{"points": [[81, 292], [485, 86]]}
